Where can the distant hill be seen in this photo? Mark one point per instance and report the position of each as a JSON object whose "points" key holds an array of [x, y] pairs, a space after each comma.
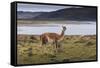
{"points": [[28, 15], [82, 14]]}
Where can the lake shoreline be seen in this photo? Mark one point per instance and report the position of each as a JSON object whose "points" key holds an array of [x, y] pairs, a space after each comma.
{"points": [[46, 22], [48, 25]]}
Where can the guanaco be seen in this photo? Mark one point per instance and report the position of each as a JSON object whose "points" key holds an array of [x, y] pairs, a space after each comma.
{"points": [[53, 38]]}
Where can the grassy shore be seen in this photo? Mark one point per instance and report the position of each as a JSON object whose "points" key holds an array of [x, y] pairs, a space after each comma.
{"points": [[33, 22], [74, 48]]}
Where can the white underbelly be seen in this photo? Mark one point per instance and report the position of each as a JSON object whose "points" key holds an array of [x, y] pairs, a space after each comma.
{"points": [[53, 40], [50, 40]]}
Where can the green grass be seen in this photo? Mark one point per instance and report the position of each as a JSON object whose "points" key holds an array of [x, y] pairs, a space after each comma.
{"points": [[74, 48]]}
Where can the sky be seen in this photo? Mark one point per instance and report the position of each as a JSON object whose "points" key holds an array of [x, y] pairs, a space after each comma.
{"points": [[39, 8]]}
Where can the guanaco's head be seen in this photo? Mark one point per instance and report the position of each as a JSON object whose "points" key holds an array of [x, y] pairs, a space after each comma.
{"points": [[64, 28]]}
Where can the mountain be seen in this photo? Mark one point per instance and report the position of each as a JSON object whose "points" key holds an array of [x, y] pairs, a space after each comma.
{"points": [[84, 14], [28, 15], [70, 14]]}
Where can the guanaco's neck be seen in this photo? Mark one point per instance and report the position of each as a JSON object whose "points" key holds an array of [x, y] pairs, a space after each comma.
{"points": [[62, 33]]}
